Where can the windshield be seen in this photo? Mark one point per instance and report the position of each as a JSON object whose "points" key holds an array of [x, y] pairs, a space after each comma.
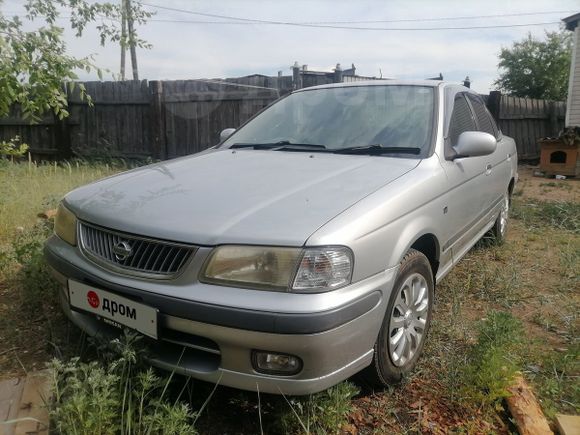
{"points": [[343, 117]]}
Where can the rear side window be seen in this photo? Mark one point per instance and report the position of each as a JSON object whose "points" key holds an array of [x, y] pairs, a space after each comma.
{"points": [[461, 119], [484, 120]]}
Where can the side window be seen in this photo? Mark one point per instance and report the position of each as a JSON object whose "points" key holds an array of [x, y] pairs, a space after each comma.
{"points": [[461, 119], [484, 119]]}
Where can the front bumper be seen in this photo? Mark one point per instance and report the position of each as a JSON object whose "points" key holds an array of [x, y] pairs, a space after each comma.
{"points": [[214, 342]]}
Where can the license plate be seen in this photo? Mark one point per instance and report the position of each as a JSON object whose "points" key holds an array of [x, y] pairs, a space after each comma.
{"points": [[115, 309]]}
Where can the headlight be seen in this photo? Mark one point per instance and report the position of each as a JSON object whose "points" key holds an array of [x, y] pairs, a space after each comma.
{"points": [[280, 269], [65, 225], [252, 266]]}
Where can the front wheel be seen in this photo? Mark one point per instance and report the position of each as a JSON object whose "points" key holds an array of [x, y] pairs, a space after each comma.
{"points": [[406, 323]]}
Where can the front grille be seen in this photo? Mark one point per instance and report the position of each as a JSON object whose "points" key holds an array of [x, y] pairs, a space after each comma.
{"points": [[133, 254]]}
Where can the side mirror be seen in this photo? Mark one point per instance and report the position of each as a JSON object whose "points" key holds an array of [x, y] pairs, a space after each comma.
{"points": [[226, 133], [474, 143]]}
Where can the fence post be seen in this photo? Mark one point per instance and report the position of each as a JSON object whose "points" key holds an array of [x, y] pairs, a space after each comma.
{"points": [[493, 105], [158, 140], [338, 74], [62, 138]]}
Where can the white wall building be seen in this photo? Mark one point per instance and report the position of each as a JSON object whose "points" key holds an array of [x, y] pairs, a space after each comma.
{"points": [[573, 104]]}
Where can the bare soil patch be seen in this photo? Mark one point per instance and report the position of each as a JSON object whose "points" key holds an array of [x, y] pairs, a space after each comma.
{"points": [[546, 189]]}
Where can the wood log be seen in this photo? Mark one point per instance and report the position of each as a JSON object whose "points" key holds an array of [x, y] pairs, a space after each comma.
{"points": [[48, 214], [526, 411]]}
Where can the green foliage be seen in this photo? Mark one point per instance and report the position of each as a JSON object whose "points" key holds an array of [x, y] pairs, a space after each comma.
{"points": [[13, 147], [34, 64], [493, 361], [115, 396], [321, 413], [560, 215], [537, 69]]}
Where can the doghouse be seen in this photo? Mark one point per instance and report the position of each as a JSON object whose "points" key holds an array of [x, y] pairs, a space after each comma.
{"points": [[559, 157]]}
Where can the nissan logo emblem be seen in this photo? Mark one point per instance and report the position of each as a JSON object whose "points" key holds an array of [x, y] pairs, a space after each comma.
{"points": [[122, 250]]}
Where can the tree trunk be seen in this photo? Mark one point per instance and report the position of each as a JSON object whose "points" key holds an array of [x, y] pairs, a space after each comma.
{"points": [[123, 37], [132, 40]]}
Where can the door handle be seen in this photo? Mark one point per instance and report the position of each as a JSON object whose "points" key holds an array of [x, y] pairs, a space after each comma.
{"points": [[488, 169]]}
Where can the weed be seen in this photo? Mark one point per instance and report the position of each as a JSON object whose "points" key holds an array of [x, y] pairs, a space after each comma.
{"points": [[493, 361], [321, 413], [115, 396]]}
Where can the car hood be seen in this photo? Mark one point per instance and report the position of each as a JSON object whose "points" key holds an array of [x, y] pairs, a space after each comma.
{"points": [[242, 196]]}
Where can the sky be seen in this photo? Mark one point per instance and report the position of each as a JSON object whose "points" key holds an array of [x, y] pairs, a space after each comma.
{"points": [[210, 50]]}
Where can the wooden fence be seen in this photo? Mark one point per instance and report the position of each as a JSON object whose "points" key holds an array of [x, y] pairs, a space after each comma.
{"points": [[527, 120], [166, 119]]}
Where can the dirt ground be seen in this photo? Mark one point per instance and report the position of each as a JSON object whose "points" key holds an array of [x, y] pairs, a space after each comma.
{"points": [[546, 189]]}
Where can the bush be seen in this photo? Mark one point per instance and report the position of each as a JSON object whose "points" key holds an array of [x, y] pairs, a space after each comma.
{"points": [[33, 274], [13, 148]]}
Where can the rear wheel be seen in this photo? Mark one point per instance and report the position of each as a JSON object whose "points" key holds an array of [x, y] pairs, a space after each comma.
{"points": [[499, 229], [406, 323]]}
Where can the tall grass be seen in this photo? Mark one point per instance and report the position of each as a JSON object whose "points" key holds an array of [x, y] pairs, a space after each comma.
{"points": [[536, 214], [28, 188]]}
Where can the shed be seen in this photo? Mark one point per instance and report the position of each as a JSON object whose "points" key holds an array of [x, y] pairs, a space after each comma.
{"points": [[573, 104]]}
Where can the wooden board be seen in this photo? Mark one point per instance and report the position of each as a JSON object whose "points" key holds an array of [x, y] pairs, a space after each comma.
{"points": [[23, 400], [568, 424]]}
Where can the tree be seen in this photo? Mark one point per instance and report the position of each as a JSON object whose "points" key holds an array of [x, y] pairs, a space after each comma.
{"points": [[537, 68], [34, 64]]}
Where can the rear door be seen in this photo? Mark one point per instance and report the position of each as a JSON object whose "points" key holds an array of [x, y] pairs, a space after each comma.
{"points": [[499, 170]]}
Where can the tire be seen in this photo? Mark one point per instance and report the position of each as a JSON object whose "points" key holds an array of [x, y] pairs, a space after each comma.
{"points": [[499, 230], [394, 358]]}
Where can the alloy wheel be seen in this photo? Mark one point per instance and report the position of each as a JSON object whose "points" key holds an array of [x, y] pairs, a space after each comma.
{"points": [[408, 319]]}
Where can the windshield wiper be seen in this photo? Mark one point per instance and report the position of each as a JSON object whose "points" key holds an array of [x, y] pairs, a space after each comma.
{"points": [[281, 145], [377, 149]]}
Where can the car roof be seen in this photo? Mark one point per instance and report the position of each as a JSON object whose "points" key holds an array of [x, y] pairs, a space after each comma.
{"points": [[386, 82]]}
